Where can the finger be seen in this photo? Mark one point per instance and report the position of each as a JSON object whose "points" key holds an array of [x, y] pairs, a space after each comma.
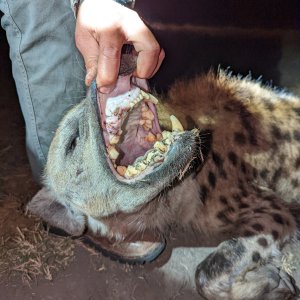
{"points": [[146, 45], [109, 60], [89, 48], [160, 60]]}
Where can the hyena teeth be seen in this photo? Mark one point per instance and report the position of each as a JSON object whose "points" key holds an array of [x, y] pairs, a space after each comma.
{"points": [[131, 171], [121, 170], [176, 125], [160, 146], [114, 139], [153, 99], [145, 95], [148, 115], [140, 166], [112, 152], [150, 137]]}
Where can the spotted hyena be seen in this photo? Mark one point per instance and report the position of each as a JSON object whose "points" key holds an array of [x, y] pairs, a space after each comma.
{"points": [[230, 167]]}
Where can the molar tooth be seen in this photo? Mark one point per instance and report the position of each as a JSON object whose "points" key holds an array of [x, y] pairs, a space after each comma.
{"points": [[148, 115], [160, 146], [150, 156], [114, 139], [121, 170], [112, 152], [150, 137], [141, 166], [176, 125], [166, 134], [131, 171]]}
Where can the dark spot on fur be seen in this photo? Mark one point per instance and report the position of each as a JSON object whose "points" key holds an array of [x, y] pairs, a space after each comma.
{"points": [[232, 158], [247, 122], [278, 219], [277, 174], [243, 167], [236, 197], [223, 200], [275, 206], [243, 205], [223, 218], [255, 256], [254, 172], [263, 174], [297, 110], [260, 210], [269, 198], [239, 138], [295, 183], [218, 161], [275, 234], [279, 135], [214, 264], [212, 179], [276, 132], [258, 227], [248, 233], [203, 193], [244, 192], [269, 105], [263, 242], [297, 135], [230, 209], [297, 163]]}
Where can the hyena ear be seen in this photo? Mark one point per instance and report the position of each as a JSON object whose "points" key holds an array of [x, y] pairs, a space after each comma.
{"points": [[44, 205]]}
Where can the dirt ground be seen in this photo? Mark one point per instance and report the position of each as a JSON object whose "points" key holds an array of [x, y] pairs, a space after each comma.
{"points": [[64, 269]]}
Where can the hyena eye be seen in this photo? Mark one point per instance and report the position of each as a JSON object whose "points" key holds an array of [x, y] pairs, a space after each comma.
{"points": [[73, 142]]}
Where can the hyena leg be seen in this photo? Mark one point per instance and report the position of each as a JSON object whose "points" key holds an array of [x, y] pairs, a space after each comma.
{"points": [[56, 214], [245, 268], [250, 266]]}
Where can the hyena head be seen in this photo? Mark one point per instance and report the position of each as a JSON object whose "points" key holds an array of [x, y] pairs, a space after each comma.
{"points": [[109, 154]]}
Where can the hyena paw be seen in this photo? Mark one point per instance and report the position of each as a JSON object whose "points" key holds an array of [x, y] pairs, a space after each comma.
{"points": [[245, 268]]}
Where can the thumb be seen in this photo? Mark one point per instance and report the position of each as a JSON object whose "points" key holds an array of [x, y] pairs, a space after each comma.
{"points": [[89, 48]]}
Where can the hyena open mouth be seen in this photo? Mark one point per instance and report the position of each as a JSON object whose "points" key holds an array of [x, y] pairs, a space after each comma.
{"points": [[135, 143]]}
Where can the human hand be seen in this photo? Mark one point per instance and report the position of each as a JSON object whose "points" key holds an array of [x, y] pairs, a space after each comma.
{"points": [[102, 28]]}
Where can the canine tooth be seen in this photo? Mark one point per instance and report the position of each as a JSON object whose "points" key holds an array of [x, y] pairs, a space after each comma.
{"points": [[145, 95], [160, 146], [150, 137], [112, 152], [176, 125], [121, 170], [153, 99], [131, 171]]}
